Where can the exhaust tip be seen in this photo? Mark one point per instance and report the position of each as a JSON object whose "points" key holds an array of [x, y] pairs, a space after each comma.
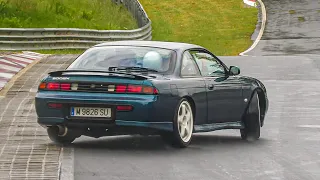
{"points": [[63, 131]]}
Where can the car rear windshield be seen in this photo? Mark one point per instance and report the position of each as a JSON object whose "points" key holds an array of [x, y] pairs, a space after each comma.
{"points": [[102, 58]]}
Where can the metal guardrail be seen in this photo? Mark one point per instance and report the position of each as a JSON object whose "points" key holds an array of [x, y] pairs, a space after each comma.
{"points": [[74, 38]]}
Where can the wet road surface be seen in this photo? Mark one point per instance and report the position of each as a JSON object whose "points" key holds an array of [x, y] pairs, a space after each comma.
{"points": [[288, 148], [287, 61], [293, 27]]}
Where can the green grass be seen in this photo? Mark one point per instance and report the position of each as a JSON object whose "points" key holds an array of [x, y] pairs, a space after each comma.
{"points": [[292, 11], [60, 51], [224, 27], [87, 14], [301, 19]]}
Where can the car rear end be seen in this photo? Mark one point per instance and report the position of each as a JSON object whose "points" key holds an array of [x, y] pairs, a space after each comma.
{"points": [[99, 101]]}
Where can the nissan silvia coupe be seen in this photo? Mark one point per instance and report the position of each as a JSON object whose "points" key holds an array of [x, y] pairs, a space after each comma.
{"points": [[169, 89]]}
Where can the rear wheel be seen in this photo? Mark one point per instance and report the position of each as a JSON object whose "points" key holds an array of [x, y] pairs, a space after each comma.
{"points": [[252, 120], [182, 126], [60, 136]]}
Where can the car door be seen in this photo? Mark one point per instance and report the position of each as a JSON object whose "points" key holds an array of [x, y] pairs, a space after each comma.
{"points": [[192, 84], [224, 93]]}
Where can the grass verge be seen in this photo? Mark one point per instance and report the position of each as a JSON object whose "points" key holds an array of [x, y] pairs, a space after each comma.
{"points": [[58, 51], [224, 27], [87, 14], [61, 51]]}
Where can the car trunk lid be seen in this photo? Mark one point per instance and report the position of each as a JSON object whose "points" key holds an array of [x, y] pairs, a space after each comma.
{"points": [[98, 81]]}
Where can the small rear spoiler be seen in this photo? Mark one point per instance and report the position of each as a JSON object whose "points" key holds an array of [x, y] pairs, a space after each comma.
{"points": [[101, 73]]}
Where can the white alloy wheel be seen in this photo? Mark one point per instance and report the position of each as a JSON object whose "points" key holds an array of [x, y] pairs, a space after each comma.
{"points": [[185, 121]]}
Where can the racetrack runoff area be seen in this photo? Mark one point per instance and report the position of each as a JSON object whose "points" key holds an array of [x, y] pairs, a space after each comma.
{"points": [[25, 150]]}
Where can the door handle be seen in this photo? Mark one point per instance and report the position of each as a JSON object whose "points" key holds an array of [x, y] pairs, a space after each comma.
{"points": [[210, 86]]}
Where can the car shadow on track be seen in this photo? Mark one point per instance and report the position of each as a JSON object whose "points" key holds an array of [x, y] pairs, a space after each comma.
{"points": [[153, 143]]}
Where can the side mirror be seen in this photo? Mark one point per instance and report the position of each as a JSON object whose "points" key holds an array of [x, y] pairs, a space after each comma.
{"points": [[234, 70]]}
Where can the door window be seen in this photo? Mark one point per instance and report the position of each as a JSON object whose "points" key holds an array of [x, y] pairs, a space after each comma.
{"points": [[188, 66], [208, 64]]}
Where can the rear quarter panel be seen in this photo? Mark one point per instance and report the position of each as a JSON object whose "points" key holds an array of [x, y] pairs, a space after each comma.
{"points": [[193, 88]]}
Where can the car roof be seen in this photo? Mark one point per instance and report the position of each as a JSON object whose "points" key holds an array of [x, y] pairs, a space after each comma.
{"points": [[157, 44]]}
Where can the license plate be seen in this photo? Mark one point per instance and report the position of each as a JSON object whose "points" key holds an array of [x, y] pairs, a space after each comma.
{"points": [[91, 112]]}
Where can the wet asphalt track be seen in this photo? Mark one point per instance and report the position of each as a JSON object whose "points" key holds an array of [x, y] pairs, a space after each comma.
{"points": [[287, 60], [293, 28]]}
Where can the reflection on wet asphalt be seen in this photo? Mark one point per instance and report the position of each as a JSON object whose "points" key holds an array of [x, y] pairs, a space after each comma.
{"points": [[293, 27]]}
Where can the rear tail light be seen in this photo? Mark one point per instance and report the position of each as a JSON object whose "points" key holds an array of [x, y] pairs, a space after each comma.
{"points": [[134, 89], [150, 90], [53, 86], [55, 105], [120, 88], [124, 108], [42, 85], [65, 86], [141, 89]]}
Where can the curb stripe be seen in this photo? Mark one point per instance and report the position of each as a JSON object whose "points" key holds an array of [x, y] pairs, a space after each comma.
{"points": [[34, 53], [6, 61], [22, 63], [4, 64], [20, 59], [7, 71], [2, 83], [6, 75], [27, 56], [31, 54], [21, 56], [13, 64], [3, 79]]}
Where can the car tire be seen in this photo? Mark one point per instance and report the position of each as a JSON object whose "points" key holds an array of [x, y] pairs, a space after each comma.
{"points": [[182, 125], [252, 122], [56, 137]]}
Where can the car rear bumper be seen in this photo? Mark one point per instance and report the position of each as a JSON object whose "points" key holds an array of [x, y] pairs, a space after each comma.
{"points": [[52, 121], [148, 111]]}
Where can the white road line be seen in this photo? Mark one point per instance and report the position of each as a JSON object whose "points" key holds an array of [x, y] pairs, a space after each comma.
{"points": [[310, 126], [263, 25]]}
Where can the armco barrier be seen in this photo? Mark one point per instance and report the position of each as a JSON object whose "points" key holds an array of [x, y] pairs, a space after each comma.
{"points": [[74, 38]]}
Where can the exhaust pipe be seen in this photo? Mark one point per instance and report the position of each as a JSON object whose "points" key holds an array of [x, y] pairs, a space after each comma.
{"points": [[63, 130]]}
